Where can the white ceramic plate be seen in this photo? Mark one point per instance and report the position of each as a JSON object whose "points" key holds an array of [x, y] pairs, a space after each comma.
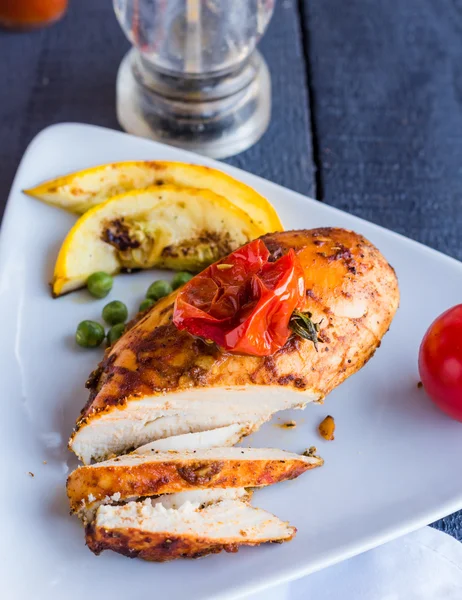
{"points": [[394, 464]]}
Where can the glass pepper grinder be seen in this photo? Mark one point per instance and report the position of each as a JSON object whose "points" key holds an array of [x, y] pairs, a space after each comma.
{"points": [[194, 78]]}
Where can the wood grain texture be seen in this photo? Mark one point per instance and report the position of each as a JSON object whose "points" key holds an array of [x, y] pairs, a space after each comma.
{"points": [[284, 154], [67, 72], [387, 87]]}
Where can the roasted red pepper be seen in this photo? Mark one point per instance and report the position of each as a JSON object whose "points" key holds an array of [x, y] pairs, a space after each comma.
{"points": [[243, 302]]}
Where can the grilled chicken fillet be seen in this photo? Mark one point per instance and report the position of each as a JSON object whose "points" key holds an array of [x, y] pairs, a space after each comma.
{"points": [[153, 532], [157, 472], [157, 381]]}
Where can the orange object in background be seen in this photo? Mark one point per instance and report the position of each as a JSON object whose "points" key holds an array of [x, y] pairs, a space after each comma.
{"points": [[26, 14]]}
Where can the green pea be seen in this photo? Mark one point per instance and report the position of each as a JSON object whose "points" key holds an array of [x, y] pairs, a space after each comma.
{"points": [[180, 279], [115, 312], [159, 289], [89, 334], [115, 333], [99, 284], [147, 303]]}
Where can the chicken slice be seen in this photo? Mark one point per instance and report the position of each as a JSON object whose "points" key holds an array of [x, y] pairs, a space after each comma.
{"points": [[199, 498], [140, 475], [213, 438], [157, 381], [202, 498], [153, 532], [124, 431]]}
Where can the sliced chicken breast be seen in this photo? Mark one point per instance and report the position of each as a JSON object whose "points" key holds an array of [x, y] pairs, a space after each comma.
{"points": [[139, 475], [124, 431], [202, 498], [199, 498], [213, 438], [157, 381], [153, 532]]}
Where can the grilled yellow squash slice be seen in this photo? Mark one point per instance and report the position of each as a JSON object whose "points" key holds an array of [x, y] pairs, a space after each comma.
{"points": [[80, 191], [162, 226]]}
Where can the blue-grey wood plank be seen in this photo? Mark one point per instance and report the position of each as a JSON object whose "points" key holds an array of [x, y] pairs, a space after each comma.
{"points": [[67, 73], [386, 81], [387, 84], [62, 73], [284, 154]]}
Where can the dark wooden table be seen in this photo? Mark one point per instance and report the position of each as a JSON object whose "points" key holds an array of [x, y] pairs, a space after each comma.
{"points": [[367, 106]]}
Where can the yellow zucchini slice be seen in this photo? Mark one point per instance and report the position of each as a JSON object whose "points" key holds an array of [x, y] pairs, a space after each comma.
{"points": [[80, 191], [162, 226]]}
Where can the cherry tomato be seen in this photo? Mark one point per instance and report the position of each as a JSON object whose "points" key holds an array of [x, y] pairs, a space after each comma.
{"points": [[440, 362], [243, 302]]}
